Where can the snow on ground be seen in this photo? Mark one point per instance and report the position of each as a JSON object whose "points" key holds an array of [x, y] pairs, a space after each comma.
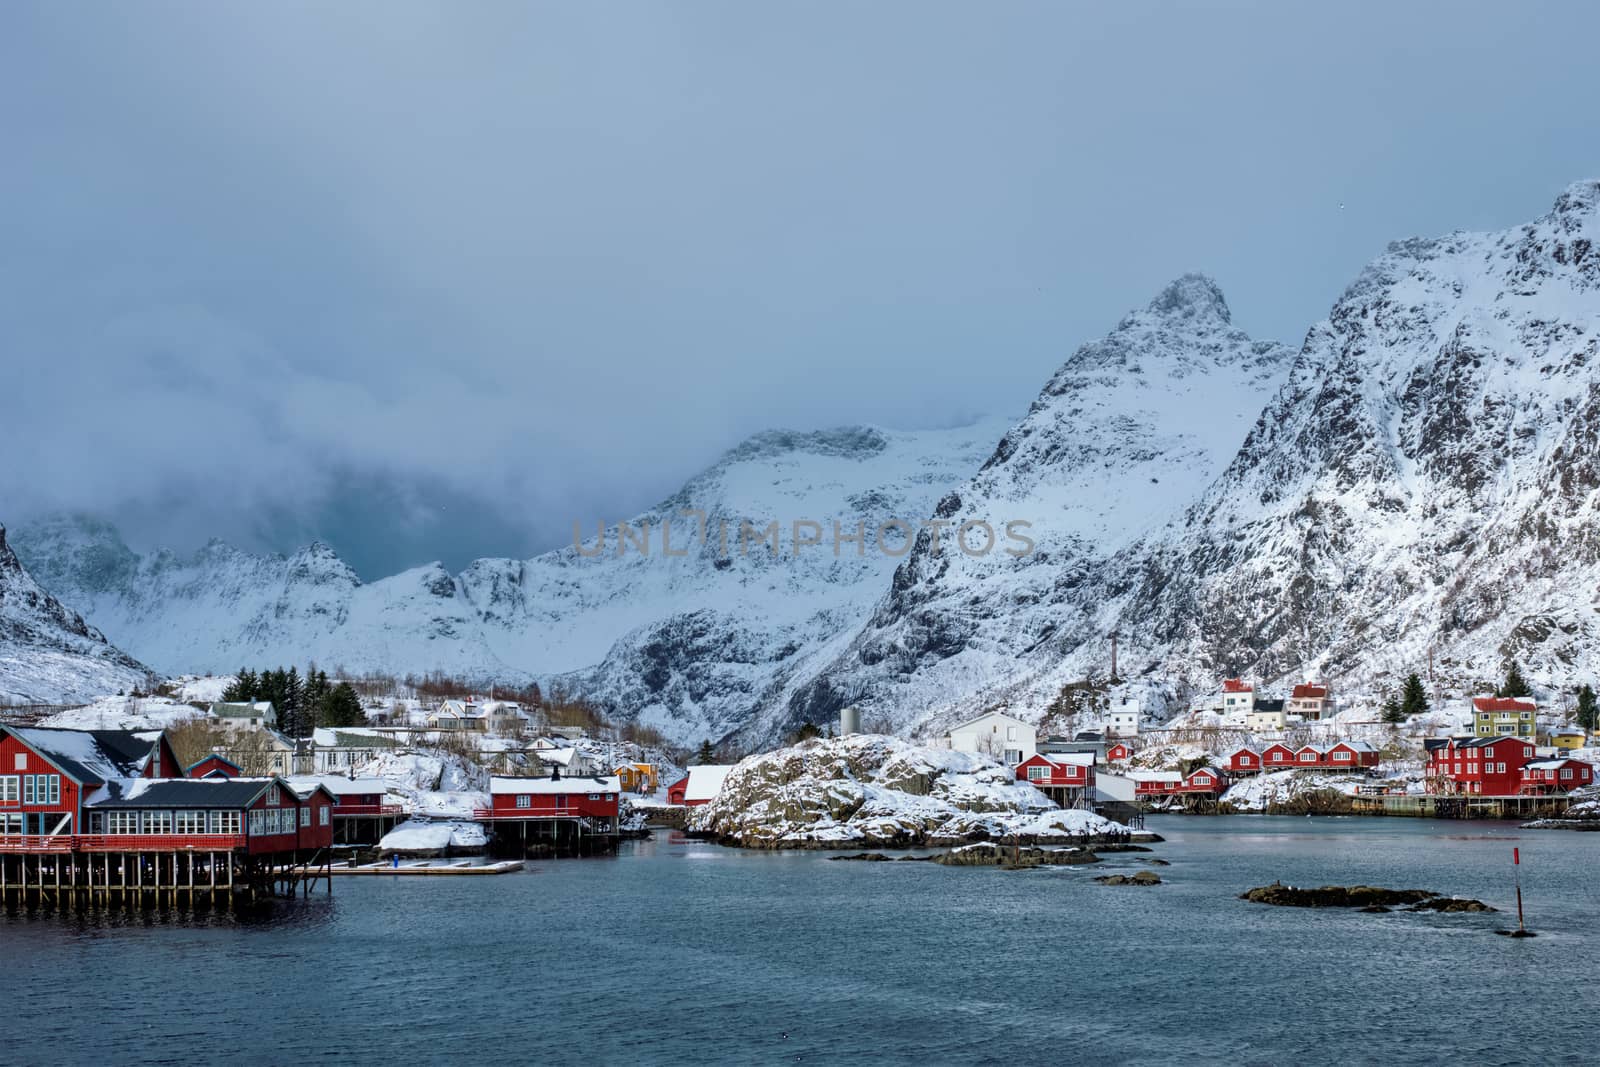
{"points": [[449, 805], [124, 713], [868, 789], [417, 776], [202, 688], [1261, 791], [415, 836]]}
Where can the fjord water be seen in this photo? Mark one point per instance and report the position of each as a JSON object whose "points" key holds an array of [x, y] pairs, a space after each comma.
{"points": [[684, 952]]}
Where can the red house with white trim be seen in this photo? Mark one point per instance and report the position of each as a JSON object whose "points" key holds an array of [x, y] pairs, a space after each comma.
{"points": [[596, 798], [1204, 781], [47, 774], [1480, 766], [1061, 776], [213, 766], [1120, 752], [1278, 757], [1243, 760], [1553, 776]]}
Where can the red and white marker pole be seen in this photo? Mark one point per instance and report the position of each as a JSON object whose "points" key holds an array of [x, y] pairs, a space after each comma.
{"points": [[1516, 866]]}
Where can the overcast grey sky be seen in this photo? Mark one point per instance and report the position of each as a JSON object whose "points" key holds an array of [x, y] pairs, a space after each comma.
{"points": [[432, 280]]}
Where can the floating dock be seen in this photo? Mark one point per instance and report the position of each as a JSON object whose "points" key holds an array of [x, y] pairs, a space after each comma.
{"points": [[465, 867]]}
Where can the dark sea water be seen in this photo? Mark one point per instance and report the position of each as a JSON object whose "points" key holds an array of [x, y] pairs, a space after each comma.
{"points": [[683, 952]]}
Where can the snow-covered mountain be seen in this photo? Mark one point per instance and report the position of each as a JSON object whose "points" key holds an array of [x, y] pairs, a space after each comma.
{"points": [[1426, 478], [1116, 445], [48, 654], [692, 643]]}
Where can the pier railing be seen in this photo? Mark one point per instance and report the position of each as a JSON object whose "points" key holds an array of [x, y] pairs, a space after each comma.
{"points": [[367, 809], [160, 842]]}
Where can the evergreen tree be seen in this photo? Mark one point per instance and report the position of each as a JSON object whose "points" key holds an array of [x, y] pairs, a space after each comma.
{"points": [[1515, 685], [341, 707], [1588, 712], [243, 688], [707, 753], [1414, 700], [292, 715], [1393, 712]]}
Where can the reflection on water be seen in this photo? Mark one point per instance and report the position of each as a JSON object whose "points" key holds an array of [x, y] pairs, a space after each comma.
{"points": [[678, 951]]}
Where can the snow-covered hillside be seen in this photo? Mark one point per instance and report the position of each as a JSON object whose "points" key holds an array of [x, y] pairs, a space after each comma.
{"points": [[692, 643], [48, 654], [1115, 446]]}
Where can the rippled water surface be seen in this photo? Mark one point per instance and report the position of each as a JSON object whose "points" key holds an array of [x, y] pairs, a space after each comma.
{"points": [[679, 951]]}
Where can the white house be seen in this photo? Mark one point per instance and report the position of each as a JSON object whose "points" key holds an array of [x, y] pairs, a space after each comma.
{"points": [[336, 751], [1238, 701], [243, 716], [506, 718], [996, 734], [705, 782], [459, 715]]}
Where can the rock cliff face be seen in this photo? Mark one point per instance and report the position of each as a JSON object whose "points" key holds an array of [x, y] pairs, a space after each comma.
{"points": [[48, 654]]}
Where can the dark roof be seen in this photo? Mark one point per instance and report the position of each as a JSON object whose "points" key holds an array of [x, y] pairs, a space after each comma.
{"points": [[214, 756], [184, 793], [1269, 705], [88, 756]]}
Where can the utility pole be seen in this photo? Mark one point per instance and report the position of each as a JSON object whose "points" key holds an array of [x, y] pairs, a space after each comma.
{"points": [[1113, 656]]}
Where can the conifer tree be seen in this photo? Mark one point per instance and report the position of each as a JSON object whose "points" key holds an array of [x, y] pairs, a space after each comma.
{"points": [[707, 753], [1393, 712], [1414, 700], [1588, 712], [1515, 685]]}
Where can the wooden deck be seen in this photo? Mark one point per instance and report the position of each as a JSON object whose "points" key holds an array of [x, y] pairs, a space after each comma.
{"points": [[1440, 806], [432, 867]]}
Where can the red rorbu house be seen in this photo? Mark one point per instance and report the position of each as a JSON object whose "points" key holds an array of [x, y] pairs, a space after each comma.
{"points": [[47, 774], [1150, 784], [1243, 760], [1119, 752], [256, 816], [362, 810], [1481, 766], [1063, 777], [1548, 776], [1278, 757], [676, 791], [560, 812], [1204, 781], [1340, 756]]}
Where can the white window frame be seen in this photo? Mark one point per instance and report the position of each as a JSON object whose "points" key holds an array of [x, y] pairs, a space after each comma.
{"points": [[305, 817], [524, 800], [322, 816], [10, 789]]}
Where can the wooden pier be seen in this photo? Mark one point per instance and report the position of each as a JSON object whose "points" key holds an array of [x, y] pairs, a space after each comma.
{"points": [[459, 868], [1447, 806], [78, 880]]}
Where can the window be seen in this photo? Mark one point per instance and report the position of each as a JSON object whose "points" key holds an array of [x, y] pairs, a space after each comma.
{"points": [[1343, 757], [53, 793], [1013, 756], [27, 789], [1011, 733], [21, 762], [322, 816], [158, 822], [190, 822], [10, 788], [305, 816], [272, 796], [1566, 773], [594, 796], [122, 822], [524, 800], [225, 822], [1038, 773], [1527, 753]]}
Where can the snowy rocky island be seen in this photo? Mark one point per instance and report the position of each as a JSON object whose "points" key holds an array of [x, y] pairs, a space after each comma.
{"points": [[884, 792]]}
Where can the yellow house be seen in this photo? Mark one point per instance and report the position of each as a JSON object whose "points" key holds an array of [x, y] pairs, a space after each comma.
{"points": [[1569, 737], [637, 777]]}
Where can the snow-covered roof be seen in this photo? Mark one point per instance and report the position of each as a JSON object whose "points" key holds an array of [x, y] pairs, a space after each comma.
{"points": [[986, 716], [1504, 704], [705, 782], [1549, 764], [1079, 759], [560, 757], [88, 756], [504, 785], [354, 738], [1155, 776], [244, 710], [338, 785]]}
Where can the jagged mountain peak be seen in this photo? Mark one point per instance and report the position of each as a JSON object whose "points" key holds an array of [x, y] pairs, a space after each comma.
{"points": [[48, 653], [1191, 297]]}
